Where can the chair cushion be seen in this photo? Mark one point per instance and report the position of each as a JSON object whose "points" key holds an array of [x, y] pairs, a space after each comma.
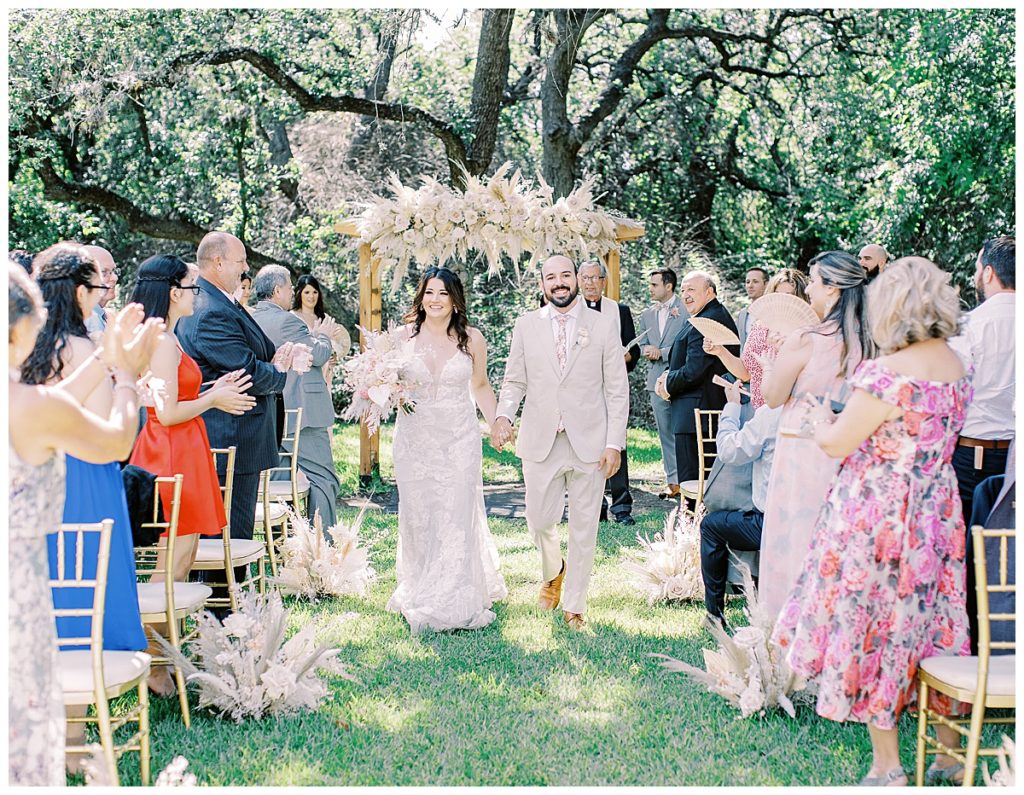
{"points": [[277, 511], [283, 488], [689, 487], [74, 672], [212, 549], [187, 595], [962, 672]]}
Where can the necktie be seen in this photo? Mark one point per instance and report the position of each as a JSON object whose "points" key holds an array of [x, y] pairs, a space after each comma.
{"points": [[561, 351], [561, 344]]}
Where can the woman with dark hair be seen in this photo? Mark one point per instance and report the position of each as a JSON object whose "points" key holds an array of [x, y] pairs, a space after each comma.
{"points": [[243, 292], [814, 360], [44, 424], [70, 284], [447, 562], [308, 305], [173, 441]]}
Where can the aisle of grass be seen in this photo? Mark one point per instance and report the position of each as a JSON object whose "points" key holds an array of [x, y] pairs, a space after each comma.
{"points": [[521, 702]]}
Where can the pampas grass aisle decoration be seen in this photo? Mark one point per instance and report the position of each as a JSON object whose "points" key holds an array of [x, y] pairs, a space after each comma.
{"points": [[1006, 775], [748, 670], [249, 670], [318, 564], [668, 568]]}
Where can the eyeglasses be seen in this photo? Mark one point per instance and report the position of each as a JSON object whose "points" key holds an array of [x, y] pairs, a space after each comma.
{"points": [[193, 288], [96, 286], [589, 279]]}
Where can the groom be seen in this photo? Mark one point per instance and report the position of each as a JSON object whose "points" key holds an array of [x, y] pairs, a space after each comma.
{"points": [[567, 362]]}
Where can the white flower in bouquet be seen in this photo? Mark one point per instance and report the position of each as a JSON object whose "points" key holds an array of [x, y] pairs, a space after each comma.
{"points": [[251, 671], [1006, 775], [748, 670], [380, 378], [316, 564], [667, 567]]}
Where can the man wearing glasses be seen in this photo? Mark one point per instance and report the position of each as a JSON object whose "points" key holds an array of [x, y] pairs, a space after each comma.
{"points": [[96, 323]]}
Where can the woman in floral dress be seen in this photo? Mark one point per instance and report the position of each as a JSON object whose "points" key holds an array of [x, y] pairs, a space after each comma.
{"points": [[883, 585]]}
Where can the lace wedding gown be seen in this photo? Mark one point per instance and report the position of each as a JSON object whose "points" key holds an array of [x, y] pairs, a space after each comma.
{"points": [[447, 562]]}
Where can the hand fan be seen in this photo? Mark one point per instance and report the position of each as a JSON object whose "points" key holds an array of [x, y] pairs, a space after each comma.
{"points": [[783, 313], [342, 346], [714, 331]]}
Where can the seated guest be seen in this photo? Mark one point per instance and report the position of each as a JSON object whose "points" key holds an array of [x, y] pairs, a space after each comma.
{"points": [[308, 390], [881, 585], [761, 345], [724, 530], [173, 440], [45, 423]]}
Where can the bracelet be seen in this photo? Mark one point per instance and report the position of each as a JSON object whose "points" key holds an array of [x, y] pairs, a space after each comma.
{"points": [[124, 385]]}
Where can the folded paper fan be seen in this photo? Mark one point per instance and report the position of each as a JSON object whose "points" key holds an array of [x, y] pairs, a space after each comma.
{"points": [[343, 346], [782, 312], [714, 331]]}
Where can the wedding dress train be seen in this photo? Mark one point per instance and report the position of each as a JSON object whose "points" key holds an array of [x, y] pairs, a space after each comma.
{"points": [[447, 563]]}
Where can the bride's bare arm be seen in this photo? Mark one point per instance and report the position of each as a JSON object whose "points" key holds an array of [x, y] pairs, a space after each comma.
{"points": [[483, 393]]}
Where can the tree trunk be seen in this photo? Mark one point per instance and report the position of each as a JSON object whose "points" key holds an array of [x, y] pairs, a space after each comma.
{"points": [[376, 89], [489, 82]]}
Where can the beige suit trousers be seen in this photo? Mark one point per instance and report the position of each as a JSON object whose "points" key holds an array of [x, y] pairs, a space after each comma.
{"points": [[547, 483]]}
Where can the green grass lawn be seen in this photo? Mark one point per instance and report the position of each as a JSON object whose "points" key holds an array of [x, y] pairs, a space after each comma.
{"points": [[522, 702], [498, 467]]}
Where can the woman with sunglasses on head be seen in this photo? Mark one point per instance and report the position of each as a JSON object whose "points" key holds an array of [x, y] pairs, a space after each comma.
{"points": [[173, 441]]}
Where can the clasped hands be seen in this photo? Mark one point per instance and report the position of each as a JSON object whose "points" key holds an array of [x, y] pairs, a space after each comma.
{"points": [[293, 356], [661, 387], [502, 433]]}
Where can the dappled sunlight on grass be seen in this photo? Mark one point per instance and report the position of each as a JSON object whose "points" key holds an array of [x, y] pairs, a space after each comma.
{"points": [[587, 698], [390, 714]]}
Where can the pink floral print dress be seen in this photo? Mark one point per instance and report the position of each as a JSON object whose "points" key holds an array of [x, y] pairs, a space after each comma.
{"points": [[883, 585]]}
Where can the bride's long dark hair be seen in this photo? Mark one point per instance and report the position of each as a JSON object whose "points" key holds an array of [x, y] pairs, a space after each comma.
{"points": [[458, 323]]}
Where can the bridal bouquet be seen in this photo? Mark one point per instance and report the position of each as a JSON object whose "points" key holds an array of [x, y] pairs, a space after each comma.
{"points": [[379, 378]]}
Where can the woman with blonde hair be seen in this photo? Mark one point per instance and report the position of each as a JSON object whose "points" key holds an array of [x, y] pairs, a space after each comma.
{"points": [[814, 360], [882, 586], [761, 344]]}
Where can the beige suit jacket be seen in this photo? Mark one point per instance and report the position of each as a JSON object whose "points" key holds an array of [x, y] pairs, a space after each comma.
{"points": [[591, 397]]}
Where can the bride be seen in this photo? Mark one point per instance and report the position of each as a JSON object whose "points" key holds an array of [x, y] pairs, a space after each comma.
{"points": [[447, 562]]}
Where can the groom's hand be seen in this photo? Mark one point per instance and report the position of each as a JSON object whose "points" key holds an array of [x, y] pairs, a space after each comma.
{"points": [[501, 432], [611, 460]]}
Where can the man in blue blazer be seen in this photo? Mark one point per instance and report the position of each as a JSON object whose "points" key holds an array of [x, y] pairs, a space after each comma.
{"points": [[687, 381], [222, 337]]}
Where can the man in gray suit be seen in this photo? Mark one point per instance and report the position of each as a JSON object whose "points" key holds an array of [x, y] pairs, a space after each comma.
{"points": [[308, 391], [756, 283], [662, 321]]}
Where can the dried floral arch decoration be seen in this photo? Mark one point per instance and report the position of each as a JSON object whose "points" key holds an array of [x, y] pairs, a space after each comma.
{"points": [[501, 216]]}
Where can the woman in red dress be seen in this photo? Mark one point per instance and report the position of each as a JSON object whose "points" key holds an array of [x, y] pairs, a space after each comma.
{"points": [[173, 440]]}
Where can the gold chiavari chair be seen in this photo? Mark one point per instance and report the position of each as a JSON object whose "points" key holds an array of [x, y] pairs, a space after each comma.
{"points": [[275, 529], [225, 553], [986, 681], [294, 490], [92, 676], [707, 429], [161, 599]]}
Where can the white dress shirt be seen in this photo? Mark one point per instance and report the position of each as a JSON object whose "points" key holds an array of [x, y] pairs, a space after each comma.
{"points": [[570, 326], [753, 443], [986, 341]]}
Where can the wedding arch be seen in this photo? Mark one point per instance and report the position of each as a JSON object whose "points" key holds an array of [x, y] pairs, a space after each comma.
{"points": [[502, 218]]}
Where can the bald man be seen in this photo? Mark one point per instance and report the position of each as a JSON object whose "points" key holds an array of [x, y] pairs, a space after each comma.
{"points": [[97, 321], [222, 337], [873, 258]]}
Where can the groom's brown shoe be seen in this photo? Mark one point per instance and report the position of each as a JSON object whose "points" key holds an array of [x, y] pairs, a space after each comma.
{"points": [[551, 592], [574, 620]]}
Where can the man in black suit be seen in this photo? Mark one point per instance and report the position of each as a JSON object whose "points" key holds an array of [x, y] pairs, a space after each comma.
{"points": [[687, 381], [592, 276], [222, 337]]}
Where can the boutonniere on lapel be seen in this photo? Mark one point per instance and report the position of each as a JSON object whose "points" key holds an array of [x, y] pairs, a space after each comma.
{"points": [[674, 312], [583, 337]]}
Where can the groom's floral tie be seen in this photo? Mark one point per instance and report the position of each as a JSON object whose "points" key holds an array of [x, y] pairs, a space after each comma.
{"points": [[561, 351]]}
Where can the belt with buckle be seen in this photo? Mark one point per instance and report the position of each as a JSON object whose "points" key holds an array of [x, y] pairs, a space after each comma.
{"points": [[988, 444]]}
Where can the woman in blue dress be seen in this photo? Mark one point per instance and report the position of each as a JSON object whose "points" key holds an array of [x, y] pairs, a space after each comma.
{"points": [[69, 279]]}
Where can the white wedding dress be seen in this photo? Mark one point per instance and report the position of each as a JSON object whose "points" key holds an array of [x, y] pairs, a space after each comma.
{"points": [[447, 562]]}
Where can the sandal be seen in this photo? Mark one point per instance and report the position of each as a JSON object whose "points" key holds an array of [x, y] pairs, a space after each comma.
{"points": [[886, 779], [935, 774]]}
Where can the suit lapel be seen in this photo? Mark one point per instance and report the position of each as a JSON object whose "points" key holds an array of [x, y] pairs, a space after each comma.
{"points": [[584, 321], [547, 334]]}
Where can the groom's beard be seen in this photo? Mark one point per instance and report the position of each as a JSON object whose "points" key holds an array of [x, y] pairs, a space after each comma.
{"points": [[563, 299]]}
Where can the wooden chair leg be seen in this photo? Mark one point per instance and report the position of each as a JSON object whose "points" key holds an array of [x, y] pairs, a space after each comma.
{"points": [[144, 760], [974, 744], [922, 732]]}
